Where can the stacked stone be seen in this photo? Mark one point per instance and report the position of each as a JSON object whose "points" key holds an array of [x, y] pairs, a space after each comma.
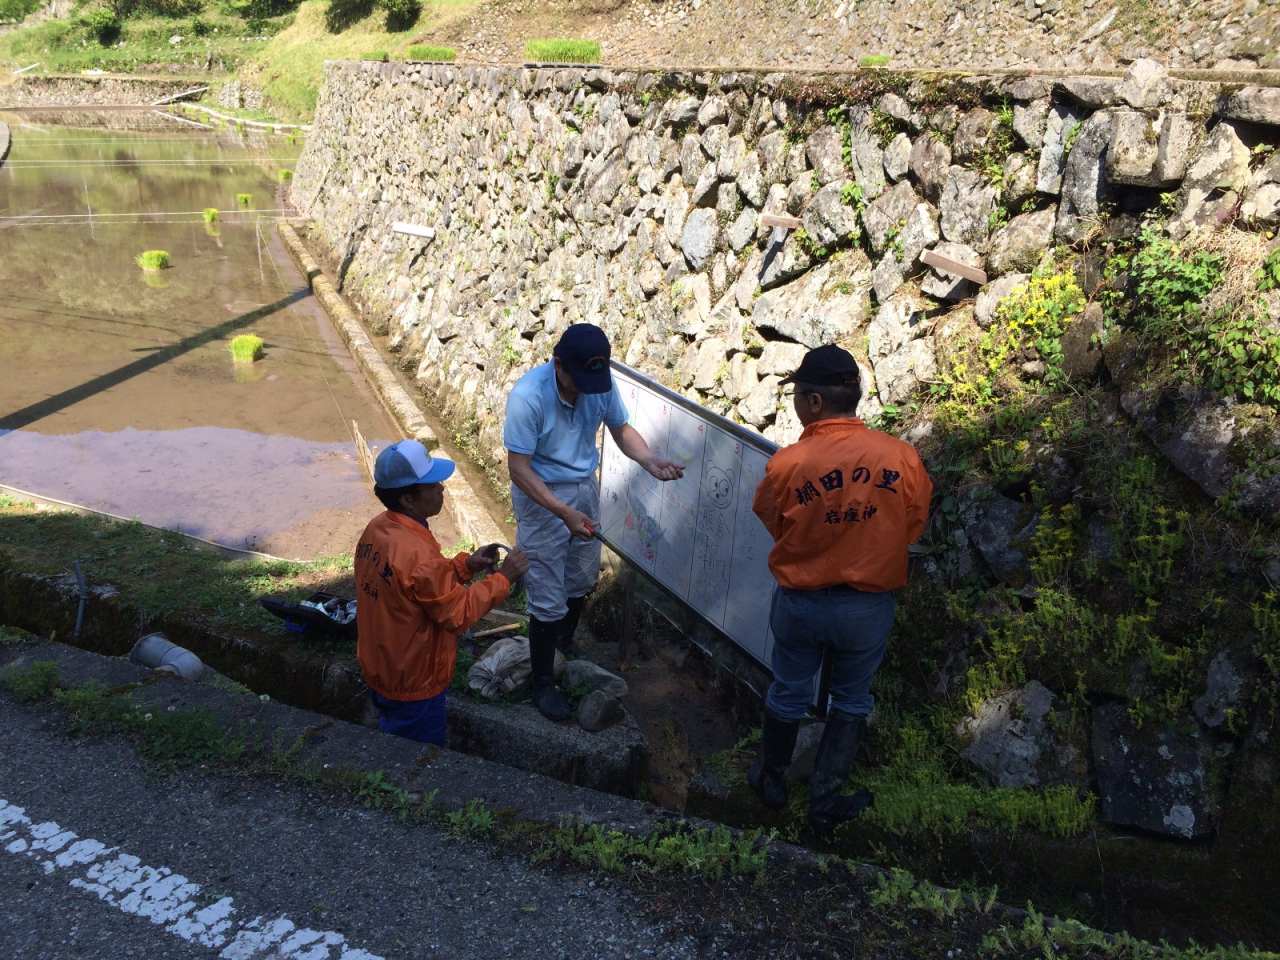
{"points": [[632, 201]]}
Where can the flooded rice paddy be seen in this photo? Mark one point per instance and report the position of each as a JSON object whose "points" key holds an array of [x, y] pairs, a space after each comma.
{"points": [[118, 390]]}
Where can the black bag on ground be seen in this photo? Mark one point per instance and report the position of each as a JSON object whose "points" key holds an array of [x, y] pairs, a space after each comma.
{"points": [[321, 614]]}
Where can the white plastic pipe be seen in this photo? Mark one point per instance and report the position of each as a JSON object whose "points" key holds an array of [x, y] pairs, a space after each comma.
{"points": [[157, 652]]}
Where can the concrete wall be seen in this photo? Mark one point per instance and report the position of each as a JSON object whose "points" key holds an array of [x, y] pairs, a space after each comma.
{"points": [[631, 200]]}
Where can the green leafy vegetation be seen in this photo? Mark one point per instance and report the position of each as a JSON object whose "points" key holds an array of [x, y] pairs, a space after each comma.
{"points": [[562, 51], [244, 199], [153, 260], [285, 175], [425, 51], [717, 853], [874, 60], [211, 215], [17, 10], [197, 583], [374, 55], [246, 348]]}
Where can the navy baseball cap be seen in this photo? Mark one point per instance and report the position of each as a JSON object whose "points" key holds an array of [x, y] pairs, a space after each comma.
{"points": [[583, 351], [405, 463], [826, 366]]}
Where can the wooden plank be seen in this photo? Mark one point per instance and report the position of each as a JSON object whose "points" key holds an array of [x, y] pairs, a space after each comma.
{"points": [[954, 267], [363, 455], [779, 220], [413, 230]]}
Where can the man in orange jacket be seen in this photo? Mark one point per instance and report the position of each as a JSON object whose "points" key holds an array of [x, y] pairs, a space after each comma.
{"points": [[411, 601], [842, 503]]}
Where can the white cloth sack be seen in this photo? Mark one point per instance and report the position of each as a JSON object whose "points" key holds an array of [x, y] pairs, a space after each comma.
{"points": [[505, 666]]}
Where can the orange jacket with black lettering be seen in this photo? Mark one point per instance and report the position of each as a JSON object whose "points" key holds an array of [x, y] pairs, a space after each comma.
{"points": [[411, 603], [842, 503]]}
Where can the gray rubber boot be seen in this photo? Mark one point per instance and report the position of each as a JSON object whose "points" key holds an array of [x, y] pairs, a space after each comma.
{"points": [[828, 807], [777, 744], [542, 658]]}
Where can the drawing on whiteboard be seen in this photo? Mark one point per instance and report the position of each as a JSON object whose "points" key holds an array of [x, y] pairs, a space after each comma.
{"points": [[719, 485], [642, 529]]}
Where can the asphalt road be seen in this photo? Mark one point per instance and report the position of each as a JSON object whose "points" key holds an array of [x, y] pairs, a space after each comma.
{"points": [[102, 857]]}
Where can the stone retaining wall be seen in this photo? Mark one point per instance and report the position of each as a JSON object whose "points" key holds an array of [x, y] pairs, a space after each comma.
{"points": [[632, 200], [90, 91]]}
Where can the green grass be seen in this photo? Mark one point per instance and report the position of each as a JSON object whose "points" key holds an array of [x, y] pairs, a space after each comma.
{"points": [[197, 583], [244, 199], [874, 60], [211, 215], [246, 348], [424, 51], [285, 176], [153, 260], [562, 51], [374, 55]]}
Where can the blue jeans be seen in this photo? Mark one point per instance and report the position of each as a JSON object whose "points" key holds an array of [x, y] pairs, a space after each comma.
{"points": [[850, 625], [421, 720]]}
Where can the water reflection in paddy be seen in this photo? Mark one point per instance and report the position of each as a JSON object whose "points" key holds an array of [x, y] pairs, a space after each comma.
{"points": [[119, 391]]}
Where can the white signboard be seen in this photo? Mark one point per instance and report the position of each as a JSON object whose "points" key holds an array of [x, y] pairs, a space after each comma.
{"points": [[696, 536]]}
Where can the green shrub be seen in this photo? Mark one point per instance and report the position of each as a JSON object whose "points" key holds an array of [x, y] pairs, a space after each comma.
{"points": [[374, 55], [401, 14], [102, 23], [211, 215], [244, 199], [423, 51], [285, 176], [153, 260], [17, 9], [562, 51], [246, 348], [874, 60]]}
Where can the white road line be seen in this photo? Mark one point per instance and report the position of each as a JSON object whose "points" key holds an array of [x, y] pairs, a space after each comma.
{"points": [[164, 897]]}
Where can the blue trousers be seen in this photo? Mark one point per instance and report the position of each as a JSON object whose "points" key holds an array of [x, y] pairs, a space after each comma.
{"points": [[421, 720], [849, 625]]}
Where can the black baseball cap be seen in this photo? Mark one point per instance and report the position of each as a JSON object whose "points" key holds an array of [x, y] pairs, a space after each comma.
{"points": [[583, 351], [827, 366]]}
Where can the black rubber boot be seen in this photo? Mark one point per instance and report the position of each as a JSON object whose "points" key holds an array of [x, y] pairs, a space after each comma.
{"points": [[542, 658], [777, 744], [828, 807], [569, 626]]}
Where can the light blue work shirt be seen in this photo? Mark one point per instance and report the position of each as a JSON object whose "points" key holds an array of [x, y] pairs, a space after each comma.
{"points": [[560, 437]]}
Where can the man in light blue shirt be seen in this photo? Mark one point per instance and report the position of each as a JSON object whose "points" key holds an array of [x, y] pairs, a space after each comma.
{"points": [[553, 415]]}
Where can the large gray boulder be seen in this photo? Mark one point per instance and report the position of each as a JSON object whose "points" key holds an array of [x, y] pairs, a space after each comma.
{"points": [[692, 159], [1253, 105], [1262, 195], [828, 220], [918, 234], [591, 676], [1146, 85], [1011, 741], [1222, 692], [815, 309], [1153, 778], [993, 294], [1060, 125], [968, 201], [1082, 358], [1221, 165], [1020, 243], [897, 157], [699, 237], [1030, 121], [1084, 180], [930, 162], [1000, 530], [867, 160], [972, 135], [825, 151], [886, 216], [781, 358]]}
